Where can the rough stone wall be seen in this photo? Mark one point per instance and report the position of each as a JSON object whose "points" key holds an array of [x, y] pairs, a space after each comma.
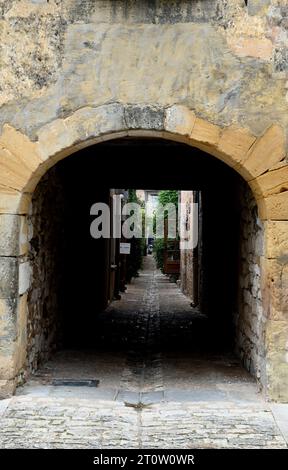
{"points": [[191, 269], [249, 318], [187, 272], [46, 248], [187, 258], [224, 59]]}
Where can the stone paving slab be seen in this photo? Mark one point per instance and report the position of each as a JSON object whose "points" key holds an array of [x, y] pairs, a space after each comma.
{"points": [[147, 397], [280, 413], [30, 422]]}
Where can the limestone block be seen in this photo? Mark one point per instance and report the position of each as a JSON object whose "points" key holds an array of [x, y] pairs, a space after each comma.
{"points": [[267, 151], [7, 370], [256, 7], [7, 388], [13, 201], [272, 182], [54, 137], [277, 206], [20, 146], [262, 209], [9, 234], [8, 332], [13, 235], [276, 289], [205, 134], [83, 125], [12, 173], [179, 120], [260, 48], [144, 117], [89, 123], [234, 145], [8, 316], [276, 238], [23, 238], [277, 360], [19, 158], [8, 277], [21, 345], [143, 133], [25, 273], [9, 200]]}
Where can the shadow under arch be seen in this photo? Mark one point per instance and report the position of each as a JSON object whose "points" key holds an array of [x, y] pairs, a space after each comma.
{"points": [[258, 159], [86, 184]]}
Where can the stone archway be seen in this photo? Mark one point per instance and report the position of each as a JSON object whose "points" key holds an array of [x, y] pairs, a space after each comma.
{"points": [[259, 160]]}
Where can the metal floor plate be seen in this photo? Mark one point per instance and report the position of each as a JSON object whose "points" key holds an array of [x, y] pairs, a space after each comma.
{"points": [[76, 382]]}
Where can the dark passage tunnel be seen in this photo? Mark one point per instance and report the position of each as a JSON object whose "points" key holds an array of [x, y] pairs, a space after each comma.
{"points": [[71, 269]]}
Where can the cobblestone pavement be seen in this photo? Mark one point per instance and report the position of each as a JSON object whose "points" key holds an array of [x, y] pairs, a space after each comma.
{"points": [[155, 390]]}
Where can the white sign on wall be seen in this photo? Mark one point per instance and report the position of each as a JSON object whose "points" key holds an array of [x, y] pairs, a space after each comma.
{"points": [[125, 248]]}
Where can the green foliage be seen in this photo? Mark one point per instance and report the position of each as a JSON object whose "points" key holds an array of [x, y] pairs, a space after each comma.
{"points": [[168, 197], [164, 197], [158, 251], [132, 196], [135, 259]]}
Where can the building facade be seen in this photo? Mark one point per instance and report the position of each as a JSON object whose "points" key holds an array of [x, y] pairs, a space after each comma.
{"points": [[209, 74]]}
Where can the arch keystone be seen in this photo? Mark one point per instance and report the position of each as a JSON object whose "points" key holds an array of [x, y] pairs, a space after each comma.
{"points": [[144, 117]]}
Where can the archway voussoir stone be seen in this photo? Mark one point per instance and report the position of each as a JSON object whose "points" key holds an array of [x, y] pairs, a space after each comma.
{"points": [[13, 174], [83, 125], [24, 152], [233, 146], [205, 135], [267, 151], [146, 117], [54, 138], [179, 120], [272, 182], [147, 133], [89, 123], [19, 159]]}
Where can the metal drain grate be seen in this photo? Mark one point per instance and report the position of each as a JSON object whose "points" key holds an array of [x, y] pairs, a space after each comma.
{"points": [[76, 382]]}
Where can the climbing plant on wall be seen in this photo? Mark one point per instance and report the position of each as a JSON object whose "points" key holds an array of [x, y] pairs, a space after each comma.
{"points": [[135, 259], [164, 197]]}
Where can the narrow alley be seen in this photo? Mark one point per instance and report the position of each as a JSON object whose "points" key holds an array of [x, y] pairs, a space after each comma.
{"points": [[159, 385]]}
